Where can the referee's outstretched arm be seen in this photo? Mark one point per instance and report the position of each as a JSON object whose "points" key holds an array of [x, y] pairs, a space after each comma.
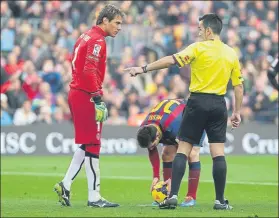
{"points": [[272, 72], [162, 63]]}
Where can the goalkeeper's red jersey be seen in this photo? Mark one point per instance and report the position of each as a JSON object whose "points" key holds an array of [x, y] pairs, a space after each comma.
{"points": [[89, 61]]}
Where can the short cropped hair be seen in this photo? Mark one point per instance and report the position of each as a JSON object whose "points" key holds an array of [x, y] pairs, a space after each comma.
{"points": [[146, 135], [110, 12], [213, 21]]}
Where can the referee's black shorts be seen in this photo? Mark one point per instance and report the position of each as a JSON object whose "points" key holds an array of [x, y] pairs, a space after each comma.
{"points": [[204, 112]]}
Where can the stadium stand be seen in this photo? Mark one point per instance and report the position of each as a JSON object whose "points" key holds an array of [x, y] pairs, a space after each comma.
{"points": [[37, 38]]}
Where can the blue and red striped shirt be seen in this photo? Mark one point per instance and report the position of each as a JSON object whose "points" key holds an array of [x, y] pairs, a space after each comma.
{"points": [[168, 116]]}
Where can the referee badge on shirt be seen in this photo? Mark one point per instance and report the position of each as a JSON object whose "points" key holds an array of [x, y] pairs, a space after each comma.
{"points": [[96, 50]]}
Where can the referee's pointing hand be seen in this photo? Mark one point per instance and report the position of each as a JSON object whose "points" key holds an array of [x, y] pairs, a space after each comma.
{"points": [[133, 71]]}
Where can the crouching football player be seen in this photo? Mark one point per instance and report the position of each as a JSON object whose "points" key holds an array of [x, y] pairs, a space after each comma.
{"points": [[161, 126]]}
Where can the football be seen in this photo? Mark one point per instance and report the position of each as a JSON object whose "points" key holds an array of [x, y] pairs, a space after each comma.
{"points": [[160, 192]]}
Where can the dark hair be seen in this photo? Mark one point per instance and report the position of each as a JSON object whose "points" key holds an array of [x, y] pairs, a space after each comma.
{"points": [[213, 21], [110, 12], [146, 135]]}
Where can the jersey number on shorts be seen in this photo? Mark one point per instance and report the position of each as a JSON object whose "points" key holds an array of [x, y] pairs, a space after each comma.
{"points": [[166, 107]]}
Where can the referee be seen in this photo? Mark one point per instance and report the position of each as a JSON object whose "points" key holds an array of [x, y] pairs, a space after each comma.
{"points": [[213, 64]]}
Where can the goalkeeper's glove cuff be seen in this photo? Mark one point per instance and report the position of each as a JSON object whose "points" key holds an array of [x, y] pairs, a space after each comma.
{"points": [[96, 99]]}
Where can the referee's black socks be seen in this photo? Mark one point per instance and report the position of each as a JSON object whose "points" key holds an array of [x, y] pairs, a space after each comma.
{"points": [[178, 170], [219, 173]]}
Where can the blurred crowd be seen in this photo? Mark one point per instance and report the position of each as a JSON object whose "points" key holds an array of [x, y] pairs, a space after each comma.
{"points": [[37, 39]]}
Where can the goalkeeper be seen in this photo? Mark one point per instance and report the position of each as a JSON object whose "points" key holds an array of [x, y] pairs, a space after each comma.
{"points": [[86, 105], [161, 126]]}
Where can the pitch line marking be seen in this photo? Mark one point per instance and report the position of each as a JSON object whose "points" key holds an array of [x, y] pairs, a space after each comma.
{"points": [[13, 173]]}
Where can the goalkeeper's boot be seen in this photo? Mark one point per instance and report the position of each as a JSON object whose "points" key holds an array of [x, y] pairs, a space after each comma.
{"points": [[189, 202], [224, 206], [102, 203], [155, 204], [169, 203], [63, 194]]}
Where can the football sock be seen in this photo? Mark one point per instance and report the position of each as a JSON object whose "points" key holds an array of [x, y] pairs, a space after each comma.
{"points": [[93, 177], [167, 168], [219, 175], [193, 178], [74, 168], [178, 170]]}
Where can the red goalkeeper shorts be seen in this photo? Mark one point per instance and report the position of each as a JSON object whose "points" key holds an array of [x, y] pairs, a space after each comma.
{"points": [[87, 129]]}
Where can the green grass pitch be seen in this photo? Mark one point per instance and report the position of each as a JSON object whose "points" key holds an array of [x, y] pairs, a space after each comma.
{"points": [[27, 188]]}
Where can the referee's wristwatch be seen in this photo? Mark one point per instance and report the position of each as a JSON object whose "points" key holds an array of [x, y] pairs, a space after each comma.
{"points": [[144, 69]]}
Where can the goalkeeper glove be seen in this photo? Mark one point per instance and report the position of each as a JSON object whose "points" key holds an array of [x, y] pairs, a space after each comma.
{"points": [[101, 110]]}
